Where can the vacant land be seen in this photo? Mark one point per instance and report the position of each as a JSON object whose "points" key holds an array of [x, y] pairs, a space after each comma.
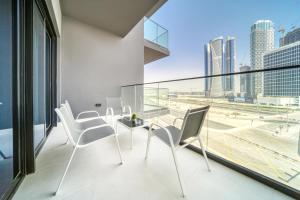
{"points": [[259, 137]]}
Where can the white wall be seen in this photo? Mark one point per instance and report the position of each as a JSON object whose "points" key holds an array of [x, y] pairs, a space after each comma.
{"points": [[95, 63], [55, 13]]}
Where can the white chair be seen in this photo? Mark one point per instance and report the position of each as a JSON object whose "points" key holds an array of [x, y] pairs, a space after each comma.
{"points": [[81, 138], [83, 123], [115, 107], [82, 113], [86, 122], [173, 137]]}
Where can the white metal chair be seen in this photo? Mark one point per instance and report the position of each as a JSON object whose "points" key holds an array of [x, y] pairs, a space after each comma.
{"points": [[82, 113], [81, 138], [172, 136], [115, 106], [85, 122]]}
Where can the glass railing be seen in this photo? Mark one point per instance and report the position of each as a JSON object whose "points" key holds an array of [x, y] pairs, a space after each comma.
{"points": [[155, 33], [258, 132]]}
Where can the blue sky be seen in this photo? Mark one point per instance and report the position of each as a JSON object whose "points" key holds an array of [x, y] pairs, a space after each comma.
{"points": [[192, 23]]}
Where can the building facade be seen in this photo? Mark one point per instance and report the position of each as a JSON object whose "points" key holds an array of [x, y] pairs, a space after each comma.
{"points": [[282, 83], [290, 37], [230, 63], [261, 41], [219, 58], [245, 82]]}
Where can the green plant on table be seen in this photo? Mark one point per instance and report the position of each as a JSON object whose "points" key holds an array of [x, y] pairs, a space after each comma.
{"points": [[133, 117]]}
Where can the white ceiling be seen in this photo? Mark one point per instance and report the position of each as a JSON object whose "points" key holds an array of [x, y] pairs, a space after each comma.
{"points": [[115, 16]]}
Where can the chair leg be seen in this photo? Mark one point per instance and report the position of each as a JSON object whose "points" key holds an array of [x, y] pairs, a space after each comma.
{"points": [[66, 170], [148, 145], [204, 153], [116, 128], [177, 169], [119, 150]]}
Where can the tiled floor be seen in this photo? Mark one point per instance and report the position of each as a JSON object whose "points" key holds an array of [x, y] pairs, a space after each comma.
{"points": [[95, 173]]}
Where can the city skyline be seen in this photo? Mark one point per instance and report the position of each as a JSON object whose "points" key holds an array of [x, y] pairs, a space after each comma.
{"points": [[191, 32]]}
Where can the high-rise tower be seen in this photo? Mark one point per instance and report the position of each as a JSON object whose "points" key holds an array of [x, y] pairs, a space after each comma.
{"points": [[261, 41], [230, 63], [219, 58]]}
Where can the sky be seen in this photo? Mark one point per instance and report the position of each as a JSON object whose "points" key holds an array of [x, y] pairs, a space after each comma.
{"points": [[193, 23]]}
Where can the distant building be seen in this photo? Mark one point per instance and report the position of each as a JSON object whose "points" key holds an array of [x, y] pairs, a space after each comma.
{"points": [[230, 62], [261, 41], [214, 65], [290, 37], [282, 83], [207, 68], [245, 82], [219, 58]]}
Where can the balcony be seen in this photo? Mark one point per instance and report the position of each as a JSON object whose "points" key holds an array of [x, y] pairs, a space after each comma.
{"points": [[239, 131], [97, 49], [155, 42], [258, 134], [96, 174]]}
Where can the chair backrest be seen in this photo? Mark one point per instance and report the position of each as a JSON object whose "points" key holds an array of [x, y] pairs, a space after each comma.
{"points": [[69, 125], [193, 122], [70, 115], [115, 103], [68, 107]]}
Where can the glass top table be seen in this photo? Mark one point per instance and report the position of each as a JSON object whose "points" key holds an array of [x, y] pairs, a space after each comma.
{"points": [[131, 125]]}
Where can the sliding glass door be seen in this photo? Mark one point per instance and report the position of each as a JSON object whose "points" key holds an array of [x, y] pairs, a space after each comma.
{"points": [[6, 98], [27, 87], [39, 77], [42, 77], [49, 81]]}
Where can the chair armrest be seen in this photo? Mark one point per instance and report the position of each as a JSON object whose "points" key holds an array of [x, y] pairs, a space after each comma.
{"points": [[85, 112], [129, 109], [174, 122], [165, 130]]}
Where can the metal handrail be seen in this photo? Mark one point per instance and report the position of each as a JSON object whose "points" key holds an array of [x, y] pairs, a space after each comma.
{"points": [[157, 36], [217, 75], [148, 19]]}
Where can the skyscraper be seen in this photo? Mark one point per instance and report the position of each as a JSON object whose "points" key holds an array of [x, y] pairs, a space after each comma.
{"points": [[261, 41], [214, 52], [290, 37], [230, 62], [219, 58]]}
